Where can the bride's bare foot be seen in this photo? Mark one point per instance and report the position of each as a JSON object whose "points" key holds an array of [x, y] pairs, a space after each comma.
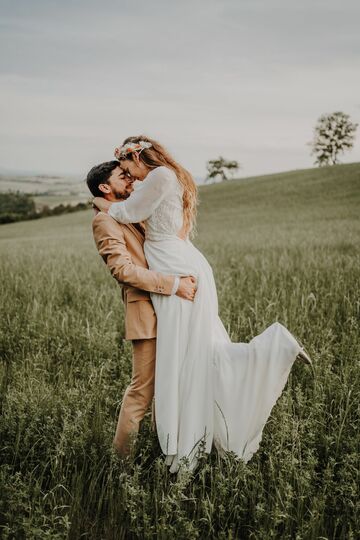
{"points": [[304, 357]]}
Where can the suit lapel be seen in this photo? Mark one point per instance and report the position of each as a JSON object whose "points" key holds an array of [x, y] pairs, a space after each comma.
{"points": [[135, 231]]}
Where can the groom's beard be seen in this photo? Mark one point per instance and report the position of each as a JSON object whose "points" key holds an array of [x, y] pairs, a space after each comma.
{"points": [[121, 196]]}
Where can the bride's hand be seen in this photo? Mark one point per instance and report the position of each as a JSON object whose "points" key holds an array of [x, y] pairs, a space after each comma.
{"points": [[102, 204]]}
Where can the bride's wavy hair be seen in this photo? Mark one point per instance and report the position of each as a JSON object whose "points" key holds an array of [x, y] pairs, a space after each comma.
{"points": [[156, 156]]}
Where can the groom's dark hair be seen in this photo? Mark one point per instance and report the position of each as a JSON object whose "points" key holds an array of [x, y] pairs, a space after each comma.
{"points": [[100, 174]]}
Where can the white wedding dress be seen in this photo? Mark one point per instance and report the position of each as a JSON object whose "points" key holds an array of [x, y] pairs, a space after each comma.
{"points": [[207, 389]]}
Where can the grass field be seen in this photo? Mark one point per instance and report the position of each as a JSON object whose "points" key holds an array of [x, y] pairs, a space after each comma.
{"points": [[283, 247]]}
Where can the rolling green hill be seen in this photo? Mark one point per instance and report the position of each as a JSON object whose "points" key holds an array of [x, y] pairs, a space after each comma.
{"points": [[47, 190], [305, 200], [243, 207], [283, 247]]}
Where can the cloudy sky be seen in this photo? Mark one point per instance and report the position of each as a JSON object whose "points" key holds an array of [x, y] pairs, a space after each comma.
{"points": [[246, 79]]}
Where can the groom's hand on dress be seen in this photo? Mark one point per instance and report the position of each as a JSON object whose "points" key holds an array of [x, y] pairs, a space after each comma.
{"points": [[187, 288]]}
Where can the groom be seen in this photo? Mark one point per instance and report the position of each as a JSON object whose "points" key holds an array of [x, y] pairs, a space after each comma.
{"points": [[121, 247]]}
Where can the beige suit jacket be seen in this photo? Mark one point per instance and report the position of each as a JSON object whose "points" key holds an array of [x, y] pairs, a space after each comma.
{"points": [[121, 247]]}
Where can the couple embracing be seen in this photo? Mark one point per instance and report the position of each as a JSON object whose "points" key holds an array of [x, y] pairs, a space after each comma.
{"points": [[207, 390]]}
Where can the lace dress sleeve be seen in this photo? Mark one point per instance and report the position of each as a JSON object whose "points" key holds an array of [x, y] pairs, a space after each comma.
{"points": [[142, 203]]}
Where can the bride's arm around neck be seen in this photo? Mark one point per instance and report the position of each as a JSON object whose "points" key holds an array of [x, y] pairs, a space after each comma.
{"points": [[144, 200]]}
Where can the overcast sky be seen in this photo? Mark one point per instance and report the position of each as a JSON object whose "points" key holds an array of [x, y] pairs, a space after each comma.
{"points": [[246, 79]]}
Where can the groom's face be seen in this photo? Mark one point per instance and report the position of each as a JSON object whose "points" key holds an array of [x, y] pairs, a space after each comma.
{"points": [[119, 185]]}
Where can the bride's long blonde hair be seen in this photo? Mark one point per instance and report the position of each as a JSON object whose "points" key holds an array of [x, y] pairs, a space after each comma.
{"points": [[156, 156]]}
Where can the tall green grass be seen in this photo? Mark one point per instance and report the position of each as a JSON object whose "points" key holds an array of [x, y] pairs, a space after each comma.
{"points": [[284, 247]]}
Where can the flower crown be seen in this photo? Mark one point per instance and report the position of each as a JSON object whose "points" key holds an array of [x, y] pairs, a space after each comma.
{"points": [[130, 147]]}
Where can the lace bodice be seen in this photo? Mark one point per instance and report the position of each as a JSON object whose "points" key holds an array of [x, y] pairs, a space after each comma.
{"points": [[157, 202]]}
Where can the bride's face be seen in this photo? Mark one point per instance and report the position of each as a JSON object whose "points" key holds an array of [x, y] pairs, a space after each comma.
{"points": [[134, 167]]}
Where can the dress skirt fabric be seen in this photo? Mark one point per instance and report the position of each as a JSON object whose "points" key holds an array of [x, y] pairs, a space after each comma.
{"points": [[208, 389]]}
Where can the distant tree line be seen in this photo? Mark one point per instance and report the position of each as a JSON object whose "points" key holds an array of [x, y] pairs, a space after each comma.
{"points": [[17, 206]]}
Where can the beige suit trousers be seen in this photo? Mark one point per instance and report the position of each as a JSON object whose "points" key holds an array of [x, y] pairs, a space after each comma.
{"points": [[138, 395]]}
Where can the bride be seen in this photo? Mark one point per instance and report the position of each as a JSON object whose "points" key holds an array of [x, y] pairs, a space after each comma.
{"points": [[207, 389]]}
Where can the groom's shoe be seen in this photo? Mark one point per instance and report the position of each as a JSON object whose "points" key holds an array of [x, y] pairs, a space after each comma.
{"points": [[304, 357]]}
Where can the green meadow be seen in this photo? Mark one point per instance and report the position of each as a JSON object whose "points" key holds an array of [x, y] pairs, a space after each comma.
{"points": [[283, 247]]}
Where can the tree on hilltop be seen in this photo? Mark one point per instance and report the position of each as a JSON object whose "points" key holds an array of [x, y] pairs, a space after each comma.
{"points": [[221, 169], [334, 134]]}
